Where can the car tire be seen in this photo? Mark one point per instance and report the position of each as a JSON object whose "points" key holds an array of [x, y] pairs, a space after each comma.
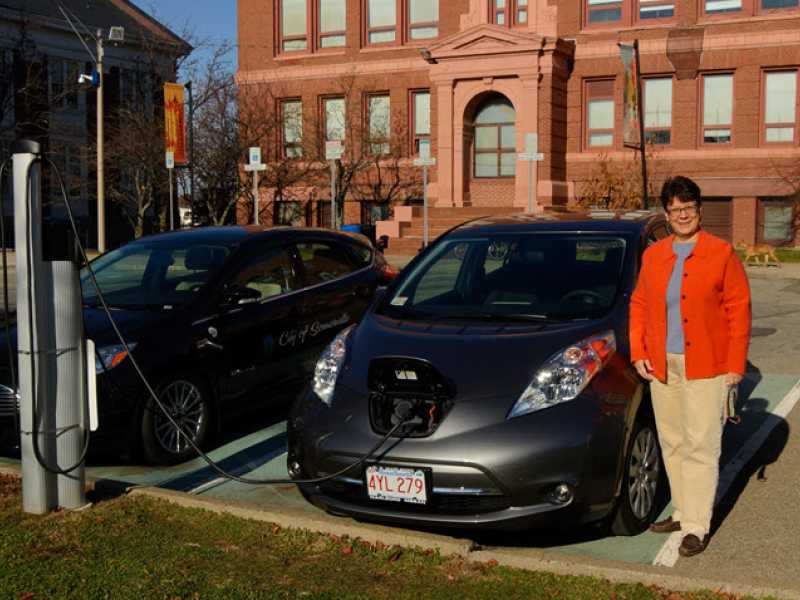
{"points": [[643, 481], [188, 399]]}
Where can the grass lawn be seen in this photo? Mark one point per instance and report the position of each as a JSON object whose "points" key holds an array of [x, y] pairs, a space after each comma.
{"points": [[142, 548]]}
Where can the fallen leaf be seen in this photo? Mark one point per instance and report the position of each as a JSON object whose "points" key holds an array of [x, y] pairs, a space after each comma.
{"points": [[492, 562], [395, 555], [347, 550]]}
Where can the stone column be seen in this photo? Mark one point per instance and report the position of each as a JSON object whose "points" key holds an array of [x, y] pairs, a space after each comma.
{"points": [[445, 150]]}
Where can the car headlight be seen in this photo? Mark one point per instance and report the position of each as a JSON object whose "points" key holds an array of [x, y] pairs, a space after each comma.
{"points": [[566, 374], [329, 365], [108, 357]]}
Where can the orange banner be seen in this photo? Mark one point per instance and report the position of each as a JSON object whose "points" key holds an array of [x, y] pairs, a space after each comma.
{"points": [[174, 122]]}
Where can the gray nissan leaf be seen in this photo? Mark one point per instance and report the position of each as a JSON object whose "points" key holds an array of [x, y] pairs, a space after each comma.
{"points": [[499, 359]]}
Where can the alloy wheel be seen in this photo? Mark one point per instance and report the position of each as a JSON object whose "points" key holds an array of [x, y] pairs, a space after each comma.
{"points": [[183, 401], [643, 473]]}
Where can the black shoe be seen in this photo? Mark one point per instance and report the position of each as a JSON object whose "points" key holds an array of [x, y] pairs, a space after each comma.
{"points": [[665, 526], [692, 545]]}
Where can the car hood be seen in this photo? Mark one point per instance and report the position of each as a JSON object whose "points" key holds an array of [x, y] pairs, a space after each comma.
{"points": [[480, 360], [133, 324]]}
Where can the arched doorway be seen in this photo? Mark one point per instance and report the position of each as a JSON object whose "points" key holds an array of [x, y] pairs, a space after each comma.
{"points": [[490, 150]]}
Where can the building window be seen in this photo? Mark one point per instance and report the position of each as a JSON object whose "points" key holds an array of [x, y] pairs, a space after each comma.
{"points": [[333, 110], [378, 127], [381, 21], [775, 220], [656, 9], [292, 119], [600, 12], [294, 25], [600, 113], [332, 24], [780, 106], [717, 108], [658, 110], [495, 139], [423, 19], [716, 7], [327, 18], [778, 4], [421, 117], [510, 12]]}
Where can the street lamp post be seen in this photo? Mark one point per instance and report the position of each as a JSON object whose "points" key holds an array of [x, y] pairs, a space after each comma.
{"points": [[101, 190], [425, 160]]}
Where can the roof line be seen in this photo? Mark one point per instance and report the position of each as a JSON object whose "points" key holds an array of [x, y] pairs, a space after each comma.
{"points": [[151, 23]]}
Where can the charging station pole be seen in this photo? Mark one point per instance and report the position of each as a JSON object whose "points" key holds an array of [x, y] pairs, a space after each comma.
{"points": [[52, 373]]}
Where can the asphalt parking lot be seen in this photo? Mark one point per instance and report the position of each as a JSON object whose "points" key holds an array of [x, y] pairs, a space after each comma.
{"points": [[758, 506]]}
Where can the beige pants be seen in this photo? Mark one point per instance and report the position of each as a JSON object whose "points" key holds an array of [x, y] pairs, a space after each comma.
{"points": [[689, 418]]}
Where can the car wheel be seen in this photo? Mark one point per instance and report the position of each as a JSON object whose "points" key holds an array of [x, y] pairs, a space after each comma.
{"points": [[188, 402], [642, 481]]}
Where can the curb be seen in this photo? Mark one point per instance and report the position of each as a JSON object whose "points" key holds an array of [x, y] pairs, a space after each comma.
{"points": [[533, 560]]}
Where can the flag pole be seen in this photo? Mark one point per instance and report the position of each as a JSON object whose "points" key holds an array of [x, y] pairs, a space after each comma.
{"points": [[645, 200]]}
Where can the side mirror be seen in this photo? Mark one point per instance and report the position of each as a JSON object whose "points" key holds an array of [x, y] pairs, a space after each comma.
{"points": [[239, 294], [382, 243]]}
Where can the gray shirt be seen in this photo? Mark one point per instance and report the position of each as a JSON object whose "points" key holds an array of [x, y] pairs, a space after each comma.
{"points": [[675, 342]]}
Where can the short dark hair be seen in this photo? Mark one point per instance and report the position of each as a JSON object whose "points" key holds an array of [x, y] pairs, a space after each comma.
{"points": [[682, 188]]}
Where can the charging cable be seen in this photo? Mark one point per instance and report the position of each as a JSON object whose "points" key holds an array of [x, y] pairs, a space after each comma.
{"points": [[151, 392]]}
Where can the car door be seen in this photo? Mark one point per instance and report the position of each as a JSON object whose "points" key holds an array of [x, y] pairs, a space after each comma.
{"points": [[258, 307], [338, 289]]}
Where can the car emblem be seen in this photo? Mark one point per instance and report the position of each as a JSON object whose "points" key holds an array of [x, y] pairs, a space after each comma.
{"points": [[405, 375]]}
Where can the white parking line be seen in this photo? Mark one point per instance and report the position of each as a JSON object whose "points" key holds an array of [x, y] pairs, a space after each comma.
{"points": [[668, 555]]}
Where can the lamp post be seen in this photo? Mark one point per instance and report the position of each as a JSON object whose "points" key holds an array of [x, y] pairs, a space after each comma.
{"points": [[101, 189]]}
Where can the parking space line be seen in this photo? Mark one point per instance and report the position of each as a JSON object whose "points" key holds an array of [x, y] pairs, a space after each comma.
{"points": [[264, 459], [668, 555]]}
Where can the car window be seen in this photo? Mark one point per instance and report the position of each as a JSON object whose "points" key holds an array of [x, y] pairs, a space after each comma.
{"points": [[269, 271], [324, 261], [154, 274], [362, 254], [564, 276]]}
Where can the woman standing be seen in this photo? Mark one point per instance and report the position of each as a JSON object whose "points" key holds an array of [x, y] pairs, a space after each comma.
{"points": [[689, 334]]}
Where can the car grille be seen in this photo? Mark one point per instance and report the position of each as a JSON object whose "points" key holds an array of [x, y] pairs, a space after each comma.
{"points": [[452, 504], [9, 402]]}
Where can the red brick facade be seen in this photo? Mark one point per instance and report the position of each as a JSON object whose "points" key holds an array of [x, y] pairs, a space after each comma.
{"points": [[543, 68]]}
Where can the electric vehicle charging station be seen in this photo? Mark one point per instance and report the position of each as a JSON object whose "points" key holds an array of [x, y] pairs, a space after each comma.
{"points": [[52, 366]]}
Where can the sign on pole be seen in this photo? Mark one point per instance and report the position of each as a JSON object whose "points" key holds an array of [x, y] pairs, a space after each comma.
{"points": [[333, 150], [531, 156], [170, 159], [425, 160], [254, 166], [175, 121]]}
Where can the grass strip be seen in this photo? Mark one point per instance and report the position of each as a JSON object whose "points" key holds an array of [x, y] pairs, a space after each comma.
{"points": [[142, 548]]}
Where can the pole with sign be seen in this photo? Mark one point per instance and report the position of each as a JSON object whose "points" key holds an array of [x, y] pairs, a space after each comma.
{"points": [[425, 160], [333, 152], [531, 156], [170, 161], [255, 165]]}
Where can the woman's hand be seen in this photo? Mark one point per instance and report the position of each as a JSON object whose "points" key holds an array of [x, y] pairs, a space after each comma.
{"points": [[644, 368], [732, 379]]}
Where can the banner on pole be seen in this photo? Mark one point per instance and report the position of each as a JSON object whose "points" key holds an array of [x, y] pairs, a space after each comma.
{"points": [[175, 122], [630, 98]]}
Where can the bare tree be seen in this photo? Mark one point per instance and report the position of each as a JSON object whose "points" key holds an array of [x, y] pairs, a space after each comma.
{"points": [[617, 184]]}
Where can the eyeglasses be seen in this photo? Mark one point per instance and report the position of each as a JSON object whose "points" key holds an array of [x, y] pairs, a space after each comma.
{"points": [[690, 211]]}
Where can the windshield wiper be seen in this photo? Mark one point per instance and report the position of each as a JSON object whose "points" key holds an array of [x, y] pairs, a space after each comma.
{"points": [[489, 316]]}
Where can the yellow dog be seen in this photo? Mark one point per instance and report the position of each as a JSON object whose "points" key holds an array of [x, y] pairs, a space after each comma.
{"points": [[755, 251]]}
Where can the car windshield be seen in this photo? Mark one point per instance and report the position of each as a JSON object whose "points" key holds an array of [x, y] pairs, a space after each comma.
{"points": [[153, 275], [527, 277]]}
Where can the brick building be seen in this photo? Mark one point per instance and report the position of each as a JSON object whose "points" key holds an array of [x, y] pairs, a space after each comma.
{"points": [[475, 76]]}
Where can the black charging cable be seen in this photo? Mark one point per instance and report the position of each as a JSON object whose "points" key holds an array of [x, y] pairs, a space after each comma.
{"points": [[220, 471]]}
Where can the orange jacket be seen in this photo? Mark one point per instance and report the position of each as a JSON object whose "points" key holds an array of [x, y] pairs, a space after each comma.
{"points": [[715, 309]]}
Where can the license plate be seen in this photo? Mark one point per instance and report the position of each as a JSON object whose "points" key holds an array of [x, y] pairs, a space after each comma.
{"points": [[396, 484]]}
